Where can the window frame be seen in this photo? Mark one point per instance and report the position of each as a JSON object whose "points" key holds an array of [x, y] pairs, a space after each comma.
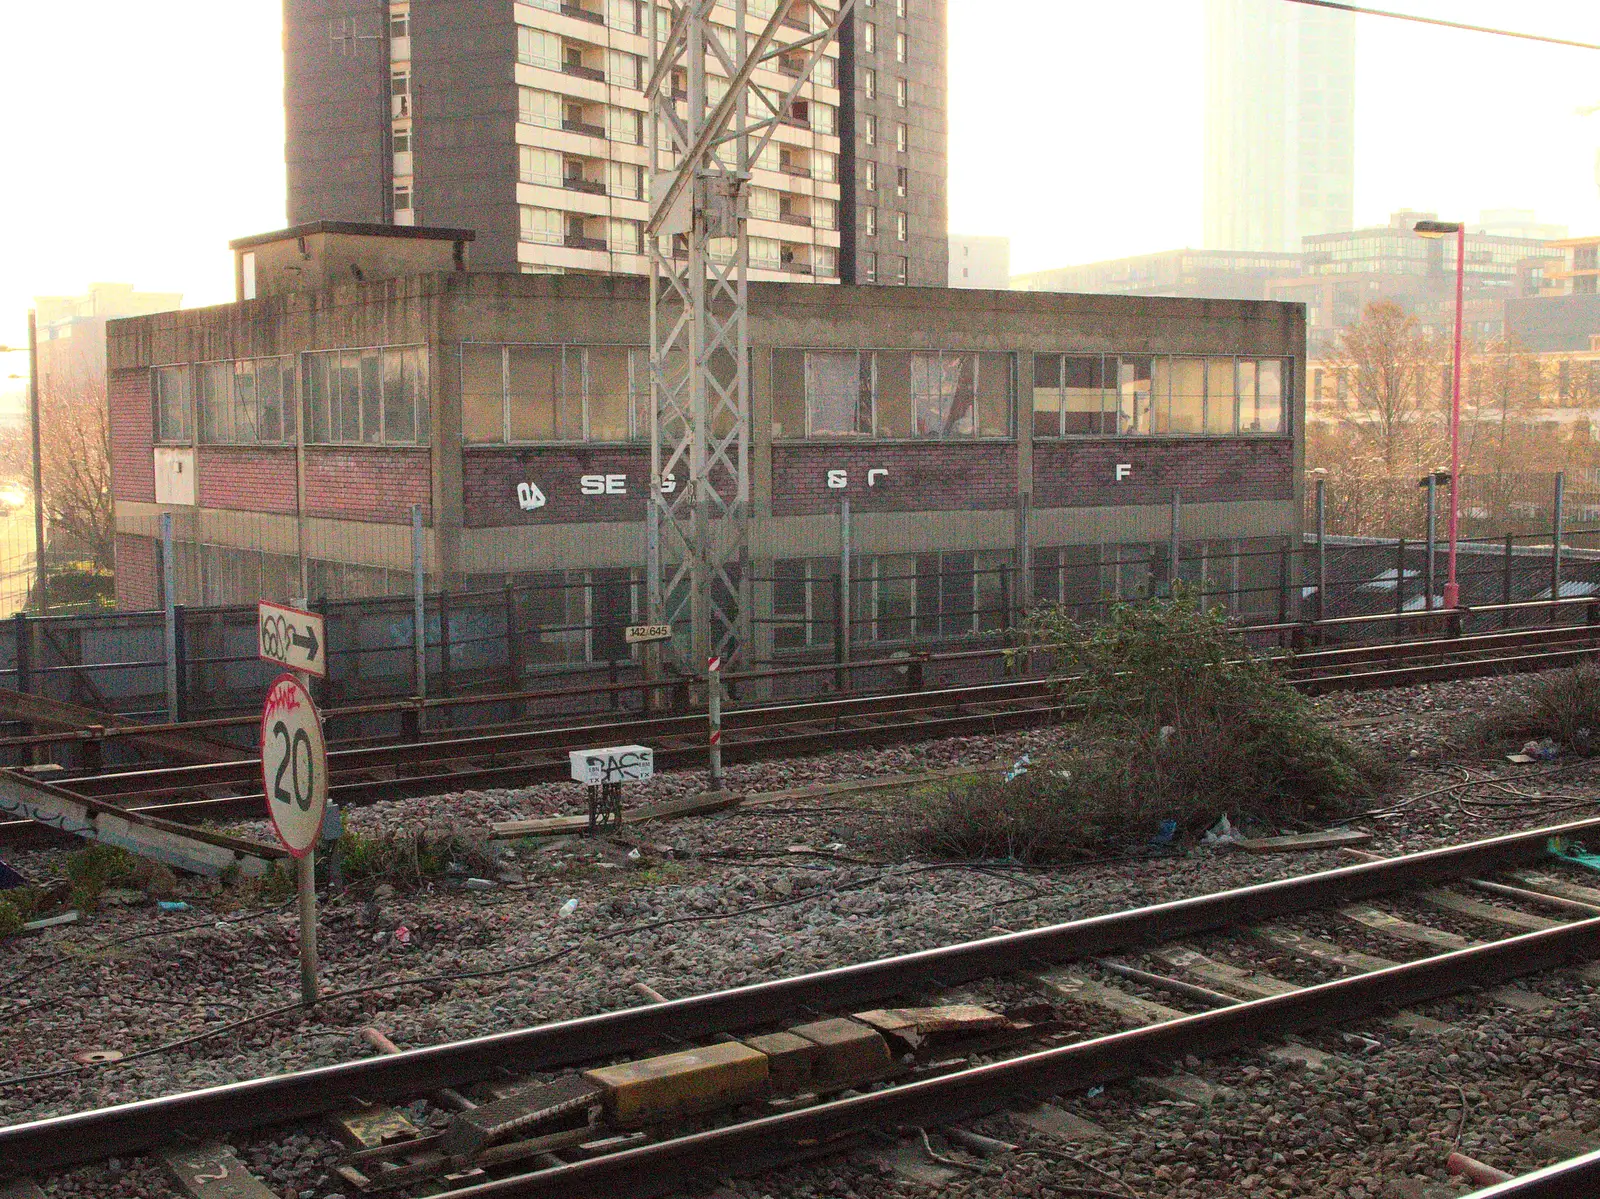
{"points": [[421, 400], [638, 389], [1156, 408], [870, 355], [184, 371]]}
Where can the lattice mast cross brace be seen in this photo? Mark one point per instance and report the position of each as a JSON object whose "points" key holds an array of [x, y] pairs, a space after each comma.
{"points": [[701, 156]]}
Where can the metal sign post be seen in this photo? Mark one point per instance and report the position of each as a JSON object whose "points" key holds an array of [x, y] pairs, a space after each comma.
{"points": [[294, 775], [714, 713], [293, 638]]}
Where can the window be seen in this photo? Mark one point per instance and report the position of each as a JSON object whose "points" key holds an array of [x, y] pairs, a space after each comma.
{"points": [[869, 268], [902, 181], [541, 225], [375, 396], [538, 48], [902, 92], [899, 8], [766, 253], [824, 117], [869, 129], [400, 83], [625, 125], [402, 197], [1137, 395], [902, 137], [624, 15], [624, 69], [902, 268], [869, 83], [899, 47], [169, 393], [627, 237], [825, 261], [521, 393], [538, 108], [246, 402], [399, 25], [869, 37], [402, 141], [869, 175], [827, 71], [825, 166], [824, 213], [901, 226], [539, 166], [891, 394], [869, 222]]}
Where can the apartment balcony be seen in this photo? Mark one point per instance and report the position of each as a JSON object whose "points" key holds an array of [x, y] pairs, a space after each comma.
{"points": [[584, 128], [794, 218], [797, 20], [587, 186], [794, 70], [575, 241], [789, 168], [579, 71], [788, 118], [798, 268], [582, 14]]}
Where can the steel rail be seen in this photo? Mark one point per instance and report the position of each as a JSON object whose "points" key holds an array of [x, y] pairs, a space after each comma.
{"points": [[1571, 1179], [62, 1141], [653, 1170]]}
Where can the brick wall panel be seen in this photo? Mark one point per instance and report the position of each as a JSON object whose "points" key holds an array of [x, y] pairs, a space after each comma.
{"points": [[490, 477], [133, 473], [136, 572], [377, 485], [941, 477], [247, 478], [1069, 474]]}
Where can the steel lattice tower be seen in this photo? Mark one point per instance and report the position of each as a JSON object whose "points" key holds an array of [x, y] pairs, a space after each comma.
{"points": [[701, 154]]}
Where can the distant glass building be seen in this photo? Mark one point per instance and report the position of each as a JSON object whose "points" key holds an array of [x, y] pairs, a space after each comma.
{"points": [[1199, 274], [1280, 124]]}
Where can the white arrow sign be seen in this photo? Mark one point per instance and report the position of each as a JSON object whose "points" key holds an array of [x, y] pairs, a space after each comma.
{"points": [[292, 638]]}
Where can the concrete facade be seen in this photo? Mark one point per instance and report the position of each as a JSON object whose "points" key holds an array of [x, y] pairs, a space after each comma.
{"points": [[305, 511], [523, 121]]}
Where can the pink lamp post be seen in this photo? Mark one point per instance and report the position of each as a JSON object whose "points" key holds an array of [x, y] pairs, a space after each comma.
{"points": [[1452, 591]]}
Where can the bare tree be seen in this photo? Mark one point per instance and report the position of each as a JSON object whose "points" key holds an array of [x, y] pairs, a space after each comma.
{"points": [[1390, 364], [75, 463]]}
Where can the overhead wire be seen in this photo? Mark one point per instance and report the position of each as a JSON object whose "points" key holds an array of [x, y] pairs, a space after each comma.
{"points": [[1363, 11]]}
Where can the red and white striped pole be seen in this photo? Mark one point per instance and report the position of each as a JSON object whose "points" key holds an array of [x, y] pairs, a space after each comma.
{"points": [[714, 712]]}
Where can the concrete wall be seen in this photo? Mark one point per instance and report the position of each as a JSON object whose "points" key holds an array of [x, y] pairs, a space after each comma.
{"points": [[336, 107], [317, 261]]}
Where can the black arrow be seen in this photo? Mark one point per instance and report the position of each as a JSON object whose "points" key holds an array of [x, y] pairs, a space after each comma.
{"points": [[307, 643]]}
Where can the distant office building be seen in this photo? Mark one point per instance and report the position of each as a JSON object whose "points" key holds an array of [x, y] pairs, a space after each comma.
{"points": [[1578, 271], [1279, 124], [528, 124], [1199, 274], [1344, 272], [1516, 222], [980, 261], [72, 329]]}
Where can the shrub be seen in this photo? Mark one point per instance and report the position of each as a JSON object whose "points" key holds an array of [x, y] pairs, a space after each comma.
{"points": [[407, 858], [1563, 705], [93, 868], [1179, 722]]}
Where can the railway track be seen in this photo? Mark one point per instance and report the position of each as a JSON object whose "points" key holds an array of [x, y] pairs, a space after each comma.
{"points": [[646, 1100], [508, 757]]}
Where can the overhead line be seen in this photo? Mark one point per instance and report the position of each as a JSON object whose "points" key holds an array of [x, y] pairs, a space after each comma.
{"points": [[1405, 16]]}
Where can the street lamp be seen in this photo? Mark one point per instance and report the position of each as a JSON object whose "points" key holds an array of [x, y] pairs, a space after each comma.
{"points": [[1452, 592]]}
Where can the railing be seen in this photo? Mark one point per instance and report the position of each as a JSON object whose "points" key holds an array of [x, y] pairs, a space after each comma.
{"points": [[798, 268], [582, 14], [789, 168], [587, 186], [800, 21], [578, 70], [794, 218], [583, 127], [574, 241]]}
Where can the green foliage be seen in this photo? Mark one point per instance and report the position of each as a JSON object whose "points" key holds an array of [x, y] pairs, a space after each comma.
{"points": [[408, 858], [18, 906], [1179, 722], [1563, 705], [11, 920], [93, 868]]}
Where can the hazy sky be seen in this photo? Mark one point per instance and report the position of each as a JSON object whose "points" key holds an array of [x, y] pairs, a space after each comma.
{"points": [[140, 137]]}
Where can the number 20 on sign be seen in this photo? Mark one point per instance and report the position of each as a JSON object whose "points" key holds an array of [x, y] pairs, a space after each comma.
{"points": [[294, 764]]}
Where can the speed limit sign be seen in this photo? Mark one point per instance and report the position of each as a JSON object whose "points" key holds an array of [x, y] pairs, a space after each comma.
{"points": [[294, 764]]}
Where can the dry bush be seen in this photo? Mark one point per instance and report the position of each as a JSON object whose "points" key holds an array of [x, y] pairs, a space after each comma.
{"points": [[1563, 705]]}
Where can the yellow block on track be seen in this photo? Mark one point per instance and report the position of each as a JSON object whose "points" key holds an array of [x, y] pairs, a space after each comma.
{"points": [[677, 1084]]}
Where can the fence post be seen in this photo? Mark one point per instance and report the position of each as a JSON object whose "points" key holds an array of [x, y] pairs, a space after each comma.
{"points": [[419, 618], [846, 591], [322, 690], [1505, 582], [1283, 584], [1175, 542], [1433, 500], [1399, 580], [180, 661], [1322, 549], [24, 648], [839, 629], [444, 643], [1557, 522], [1005, 597], [513, 647], [170, 625]]}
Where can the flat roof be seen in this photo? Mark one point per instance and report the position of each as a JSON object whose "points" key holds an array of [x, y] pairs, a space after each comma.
{"points": [[359, 229]]}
